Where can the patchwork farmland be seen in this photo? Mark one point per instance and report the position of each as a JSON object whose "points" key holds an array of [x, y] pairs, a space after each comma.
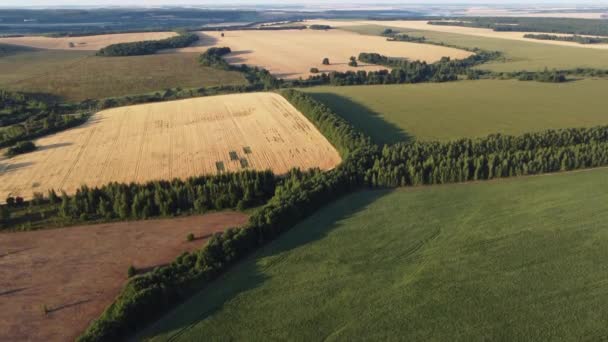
{"points": [[170, 140], [307, 48], [422, 25]]}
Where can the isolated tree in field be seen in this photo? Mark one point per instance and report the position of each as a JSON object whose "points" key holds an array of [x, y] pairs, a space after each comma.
{"points": [[353, 61], [314, 70], [325, 61]]}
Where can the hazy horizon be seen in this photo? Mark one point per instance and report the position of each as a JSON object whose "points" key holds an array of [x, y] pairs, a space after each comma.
{"points": [[286, 3]]}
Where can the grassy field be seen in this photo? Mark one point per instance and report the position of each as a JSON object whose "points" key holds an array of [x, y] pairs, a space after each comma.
{"points": [[513, 260], [76, 75], [443, 111], [520, 55]]}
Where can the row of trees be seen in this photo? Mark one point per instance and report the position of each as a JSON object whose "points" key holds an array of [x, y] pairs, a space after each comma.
{"points": [[167, 198], [574, 38], [495, 156], [522, 24], [148, 47]]}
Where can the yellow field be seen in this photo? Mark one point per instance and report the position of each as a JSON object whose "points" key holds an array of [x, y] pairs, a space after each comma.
{"points": [[291, 53], [86, 42], [169, 140], [423, 25]]}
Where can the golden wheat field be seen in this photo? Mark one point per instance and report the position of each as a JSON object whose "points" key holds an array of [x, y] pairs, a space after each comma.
{"points": [[423, 25], [292, 53], [93, 43], [169, 140]]}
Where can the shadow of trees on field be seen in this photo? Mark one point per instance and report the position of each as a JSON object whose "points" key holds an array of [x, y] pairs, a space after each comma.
{"points": [[251, 273], [52, 146], [364, 119]]}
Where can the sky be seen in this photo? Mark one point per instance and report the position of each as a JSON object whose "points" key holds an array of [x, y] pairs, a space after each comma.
{"points": [[98, 3]]}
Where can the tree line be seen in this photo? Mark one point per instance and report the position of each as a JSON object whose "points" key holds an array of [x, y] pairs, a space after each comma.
{"points": [[166, 198], [496, 156], [574, 38], [521, 24], [148, 47]]}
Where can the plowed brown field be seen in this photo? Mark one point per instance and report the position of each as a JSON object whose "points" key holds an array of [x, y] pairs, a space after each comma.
{"points": [[76, 272]]}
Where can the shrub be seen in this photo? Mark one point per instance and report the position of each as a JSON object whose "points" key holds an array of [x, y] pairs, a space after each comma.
{"points": [[314, 70], [190, 237], [325, 61], [20, 148], [353, 61], [132, 271]]}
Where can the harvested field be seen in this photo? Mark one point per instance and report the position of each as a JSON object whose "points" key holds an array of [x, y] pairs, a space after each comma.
{"points": [[291, 54], [76, 272], [86, 42], [423, 25], [169, 140]]}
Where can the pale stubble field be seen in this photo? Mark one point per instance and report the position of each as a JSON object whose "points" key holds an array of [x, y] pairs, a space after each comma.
{"points": [[178, 139]]}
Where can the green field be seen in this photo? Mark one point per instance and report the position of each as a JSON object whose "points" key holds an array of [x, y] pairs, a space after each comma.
{"points": [[512, 260], [77, 76], [519, 55], [444, 111]]}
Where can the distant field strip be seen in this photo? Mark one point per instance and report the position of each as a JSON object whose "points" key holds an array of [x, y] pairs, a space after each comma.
{"points": [[93, 43], [169, 140], [519, 54], [291, 53], [423, 25]]}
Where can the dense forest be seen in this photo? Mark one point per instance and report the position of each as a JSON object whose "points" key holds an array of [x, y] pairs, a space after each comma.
{"points": [[148, 47], [573, 38], [553, 25]]}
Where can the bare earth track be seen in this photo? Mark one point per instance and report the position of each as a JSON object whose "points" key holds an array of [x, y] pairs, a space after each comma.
{"points": [[76, 272], [177, 139], [85, 43], [291, 53]]}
